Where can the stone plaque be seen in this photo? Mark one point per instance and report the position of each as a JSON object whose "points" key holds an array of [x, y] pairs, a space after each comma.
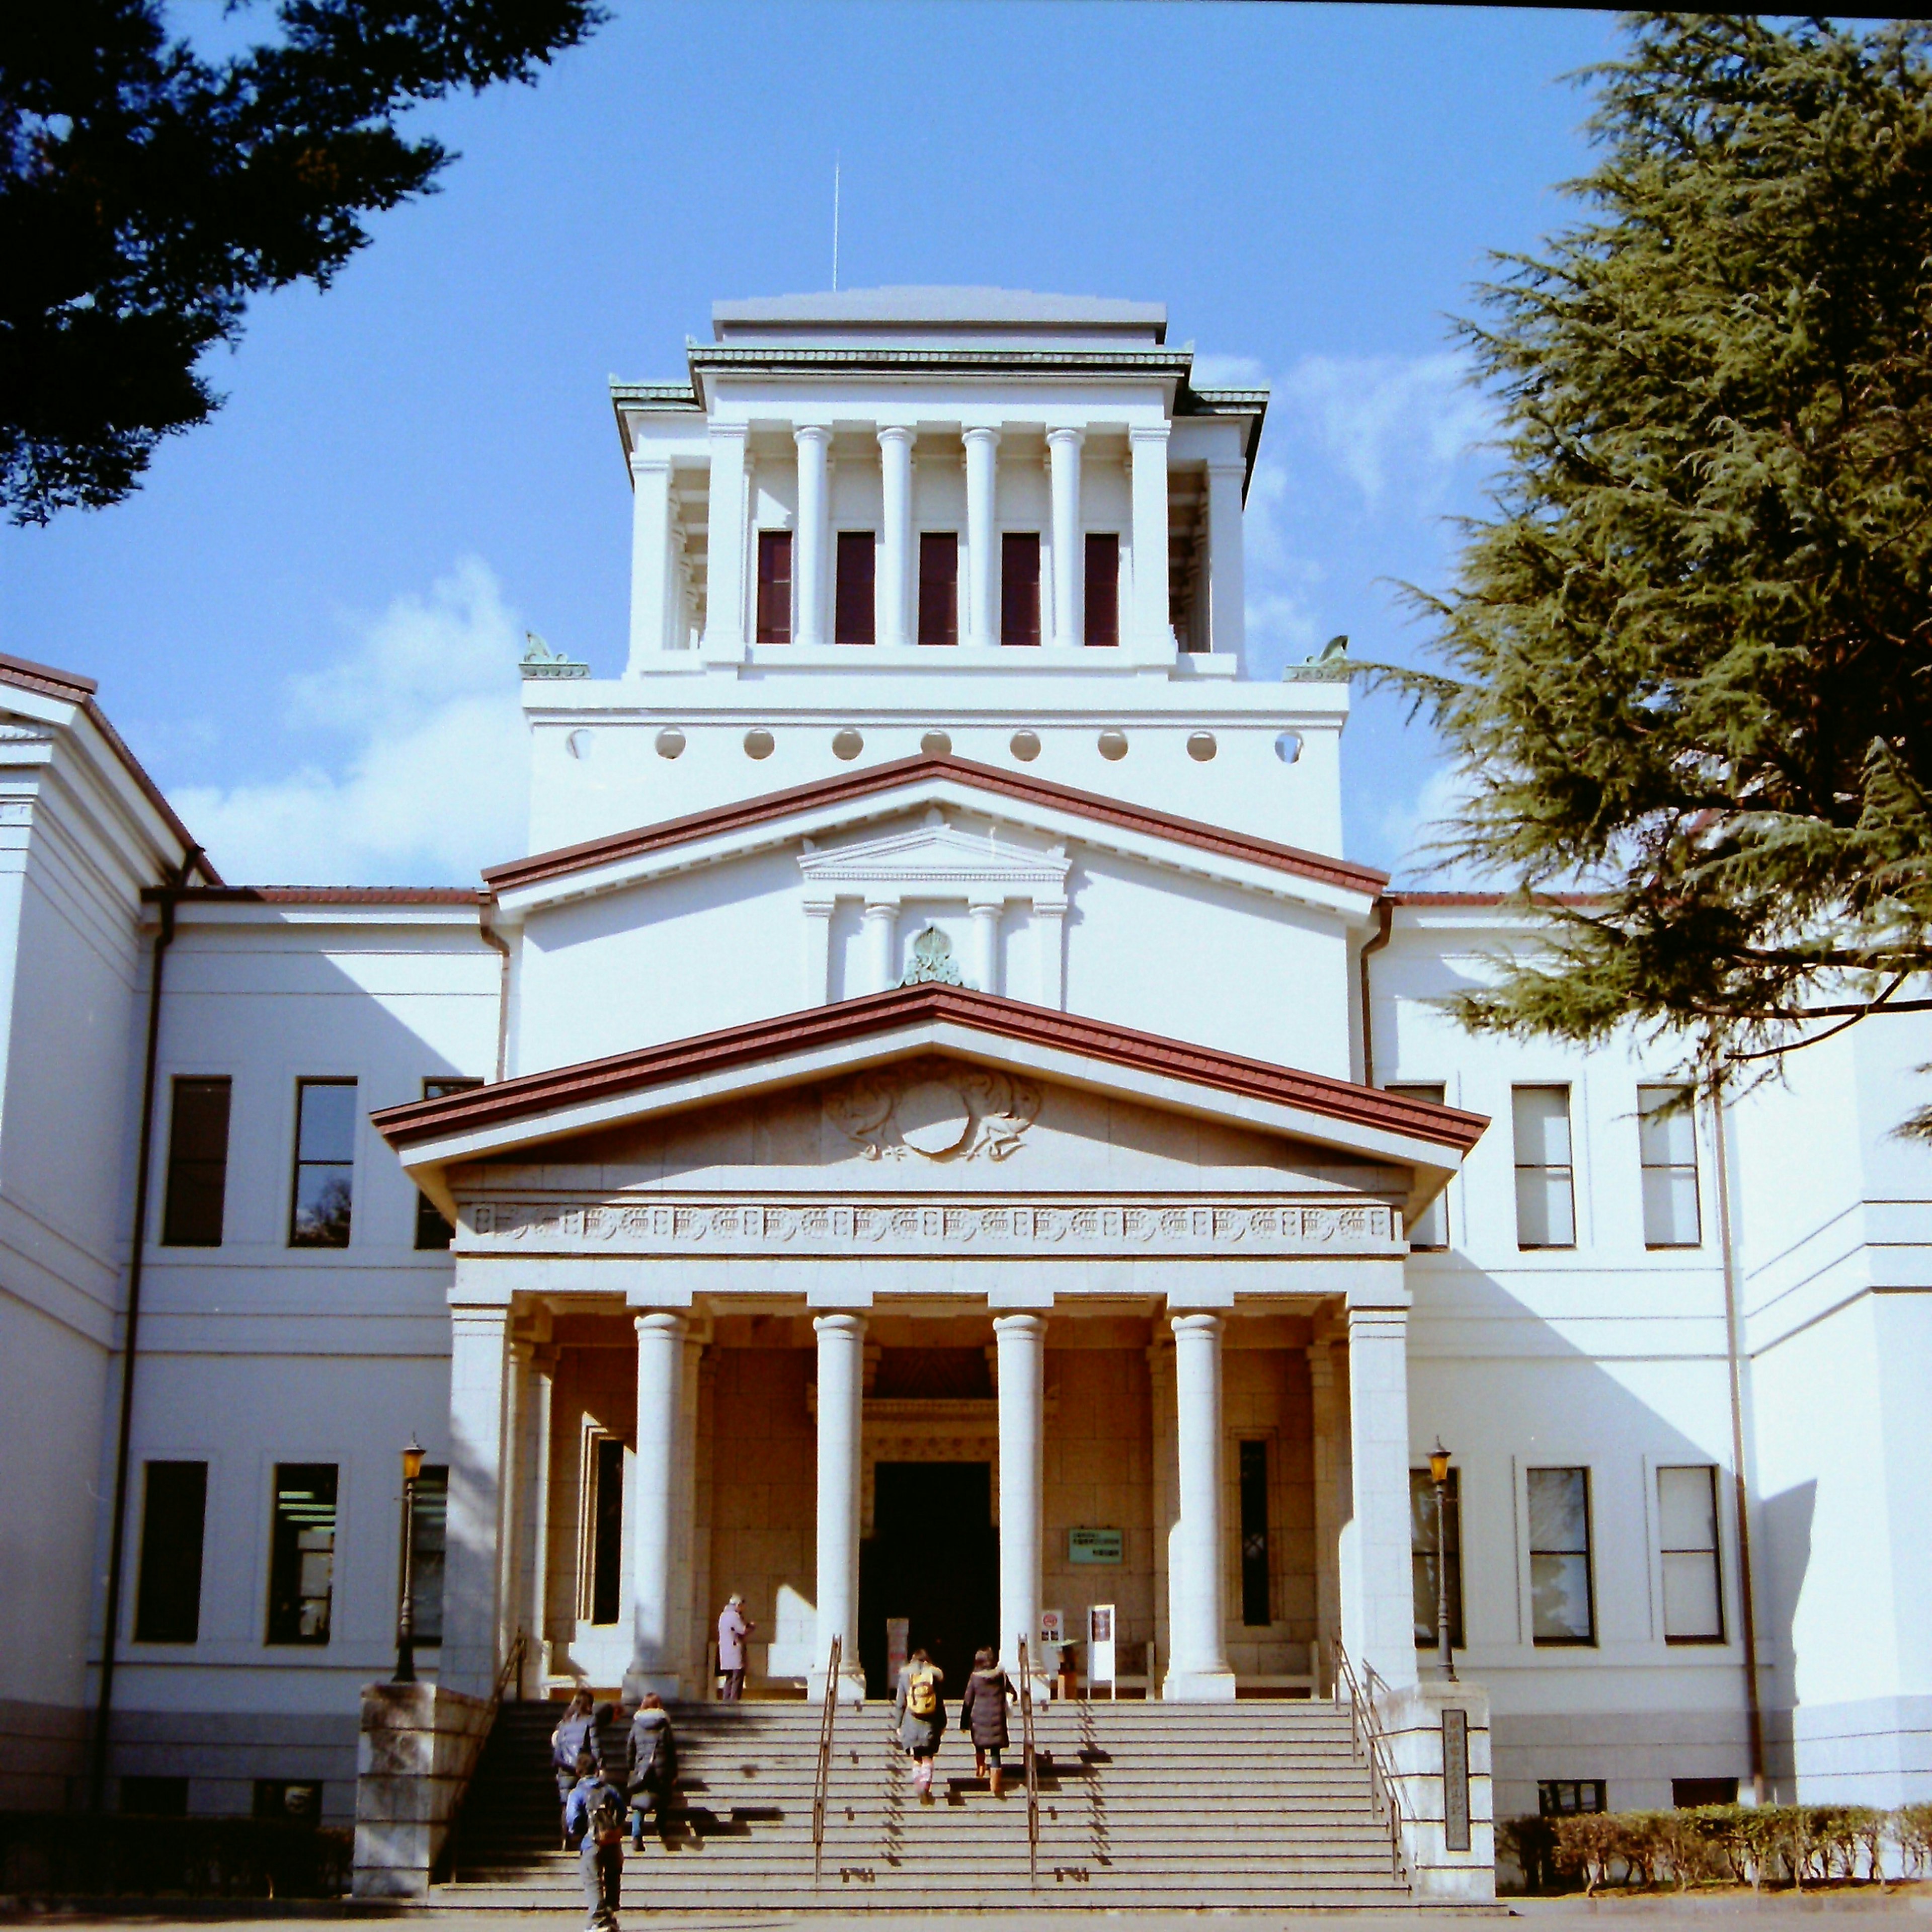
{"points": [[1455, 1779], [1097, 1546]]}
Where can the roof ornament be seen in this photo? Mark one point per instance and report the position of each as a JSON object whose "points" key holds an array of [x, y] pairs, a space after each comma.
{"points": [[1333, 666], [932, 962], [540, 661]]}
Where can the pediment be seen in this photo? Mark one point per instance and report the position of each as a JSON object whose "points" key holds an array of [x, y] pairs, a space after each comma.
{"points": [[938, 859]]}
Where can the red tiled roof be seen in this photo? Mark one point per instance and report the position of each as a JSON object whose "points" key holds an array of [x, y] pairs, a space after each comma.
{"points": [[468, 895], [644, 1068], [877, 779]]}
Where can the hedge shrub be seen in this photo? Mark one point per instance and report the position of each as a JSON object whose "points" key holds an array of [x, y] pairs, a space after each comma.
{"points": [[64, 1855]]}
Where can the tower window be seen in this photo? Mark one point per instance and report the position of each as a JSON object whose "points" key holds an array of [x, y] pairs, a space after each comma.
{"points": [[1019, 587], [855, 618], [174, 1511], [197, 1165], [1255, 1608], [939, 587], [301, 1560], [1103, 590], [323, 1195], [774, 587]]}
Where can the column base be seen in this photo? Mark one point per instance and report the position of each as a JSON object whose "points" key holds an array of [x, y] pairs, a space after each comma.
{"points": [[851, 1685], [668, 1683], [1198, 1686]]}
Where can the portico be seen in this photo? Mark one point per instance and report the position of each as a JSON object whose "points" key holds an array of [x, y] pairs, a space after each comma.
{"points": [[828, 1206]]}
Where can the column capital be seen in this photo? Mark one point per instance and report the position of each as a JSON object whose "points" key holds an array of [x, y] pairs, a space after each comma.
{"points": [[878, 905], [1027, 1324], [728, 432], [981, 433], [1226, 465], [902, 433], [650, 462], [1197, 1323], [839, 1321], [1149, 432], [812, 433], [1066, 435], [659, 1321]]}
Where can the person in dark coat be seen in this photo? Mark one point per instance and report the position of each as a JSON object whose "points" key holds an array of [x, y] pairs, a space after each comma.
{"points": [[577, 1733], [983, 1717], [651, 1765], [919, 1712]]}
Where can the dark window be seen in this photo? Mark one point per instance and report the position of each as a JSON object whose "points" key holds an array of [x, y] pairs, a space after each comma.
{"points": [[1019, 587], [1255, 1605], [318, 1213], [1422, 1556], [197, 1164], [854, 610], [154, 1797], [1103, 590], [774, 587], [1563, 1797], [432, 1231], [283, 1799], [301, 1558], [1562, 1599], [1688, 1793], [1430, 1229], [429, 1539], [1546, 1206], [938, 587], [174, 1511], [606, 1530]]}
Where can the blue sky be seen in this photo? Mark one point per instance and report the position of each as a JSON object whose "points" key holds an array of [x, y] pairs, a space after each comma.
{"points": [[305, 623]]}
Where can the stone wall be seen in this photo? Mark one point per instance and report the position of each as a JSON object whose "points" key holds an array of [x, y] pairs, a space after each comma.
{"points": [[1266, 1397], [419, 1746]]}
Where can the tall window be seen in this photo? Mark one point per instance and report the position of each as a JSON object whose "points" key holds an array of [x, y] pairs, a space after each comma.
{"points": [[1430, 1229], [1422, 1563], [939, 587], [855, 612], [1686, 1516], [323, 1193], [197, 1164], [1666, 1139], [1562, 1797], [1545, 1205], [1562, 1598], [432, 1228], [1019, 587], [1255, 1608], [602, 1594], [301, 1553], [774, 587], [429, 1540], [174, 1512], [1103, 589]]}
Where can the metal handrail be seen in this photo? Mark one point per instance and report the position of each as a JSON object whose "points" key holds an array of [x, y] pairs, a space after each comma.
{"points": [[1029, 1763], [1367, 1739], [512, 1668], [821, 1782]]}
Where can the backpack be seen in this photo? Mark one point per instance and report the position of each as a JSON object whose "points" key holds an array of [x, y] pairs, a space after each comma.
{"points": [[921, 1694], [607, 1816]]}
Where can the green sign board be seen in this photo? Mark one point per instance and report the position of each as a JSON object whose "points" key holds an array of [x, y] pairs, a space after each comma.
{"points": [[1097, 1546]]}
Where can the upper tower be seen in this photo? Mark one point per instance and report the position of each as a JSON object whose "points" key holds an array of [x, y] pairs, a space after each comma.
{"points": [[881, 518]]}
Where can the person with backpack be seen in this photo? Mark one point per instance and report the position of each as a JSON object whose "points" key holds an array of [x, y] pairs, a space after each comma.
{"points": [[919, 1712], [595, 1817], [576, 1734], [983, 1717], [651, 1770]]}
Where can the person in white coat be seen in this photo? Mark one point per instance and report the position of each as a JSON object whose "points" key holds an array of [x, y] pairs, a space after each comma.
{"points": [[733, 1627]]}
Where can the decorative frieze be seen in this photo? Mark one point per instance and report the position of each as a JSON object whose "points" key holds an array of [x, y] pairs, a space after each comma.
{"points": [[1004, 1228]]}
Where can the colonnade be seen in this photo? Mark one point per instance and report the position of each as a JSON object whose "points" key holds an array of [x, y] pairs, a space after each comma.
{"points": [[657, 546]]}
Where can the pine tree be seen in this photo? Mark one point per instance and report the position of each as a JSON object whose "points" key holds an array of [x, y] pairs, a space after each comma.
{"points": [[1687, 660]]}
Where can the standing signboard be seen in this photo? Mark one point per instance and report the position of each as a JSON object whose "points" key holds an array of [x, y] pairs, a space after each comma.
{"points": [[1101, 1667]]}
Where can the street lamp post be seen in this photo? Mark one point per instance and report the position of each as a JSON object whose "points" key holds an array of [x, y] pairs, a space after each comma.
{"points": [[406, 1608], [1439, 1474]]}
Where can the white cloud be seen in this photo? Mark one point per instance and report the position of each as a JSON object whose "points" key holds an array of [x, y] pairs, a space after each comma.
{"points": [[1411, 826], [434, 781], [1386, 421], [1227, 372]]}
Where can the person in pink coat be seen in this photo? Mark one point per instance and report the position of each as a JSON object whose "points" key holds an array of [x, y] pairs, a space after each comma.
{"points": [[733, 1627]]}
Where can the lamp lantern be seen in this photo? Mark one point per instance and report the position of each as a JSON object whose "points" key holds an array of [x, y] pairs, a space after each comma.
{"points": [[412, 1459], [1439, 1463]]}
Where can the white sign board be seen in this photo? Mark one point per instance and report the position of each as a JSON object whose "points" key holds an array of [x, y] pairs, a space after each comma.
{"points": [[1101, 1667], [1052, 1628]]}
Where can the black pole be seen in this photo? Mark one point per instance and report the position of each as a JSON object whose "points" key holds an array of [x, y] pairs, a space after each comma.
{"points": [[1444, 1655], [406, 1610]]}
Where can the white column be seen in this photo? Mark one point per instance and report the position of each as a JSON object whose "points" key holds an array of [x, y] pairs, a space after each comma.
{"points": [[479, 1336], [815, 531], [1197, 1671], [1227, 576], [725, 629], [1153, 631], [985, 916], [1049, 920], [818, 951], [896, 576], [841, 1384], [1021, 1341], [982, 544], [1378, 1602], [543, 1371], [881, 921], [1070, 564], [651, 574], [654, 1509]]}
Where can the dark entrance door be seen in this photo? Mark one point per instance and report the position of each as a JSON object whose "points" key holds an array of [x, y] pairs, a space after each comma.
{"points": [[934, 1559]]}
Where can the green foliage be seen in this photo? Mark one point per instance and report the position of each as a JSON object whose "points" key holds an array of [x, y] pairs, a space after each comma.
{"points": [[1687, 662], [146, 194]]}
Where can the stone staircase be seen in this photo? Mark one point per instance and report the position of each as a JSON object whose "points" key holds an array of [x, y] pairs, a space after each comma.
{"points": [[1258, 1805]]}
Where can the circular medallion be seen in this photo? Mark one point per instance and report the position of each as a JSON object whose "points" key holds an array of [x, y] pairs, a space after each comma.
{"points": [[933, 1118]]}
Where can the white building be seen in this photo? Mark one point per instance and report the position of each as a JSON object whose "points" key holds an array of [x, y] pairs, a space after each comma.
{"points": [[934, 1087]]}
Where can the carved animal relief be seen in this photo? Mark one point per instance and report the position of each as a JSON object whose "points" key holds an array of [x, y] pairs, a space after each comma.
{"points": [[934, 1108]]}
